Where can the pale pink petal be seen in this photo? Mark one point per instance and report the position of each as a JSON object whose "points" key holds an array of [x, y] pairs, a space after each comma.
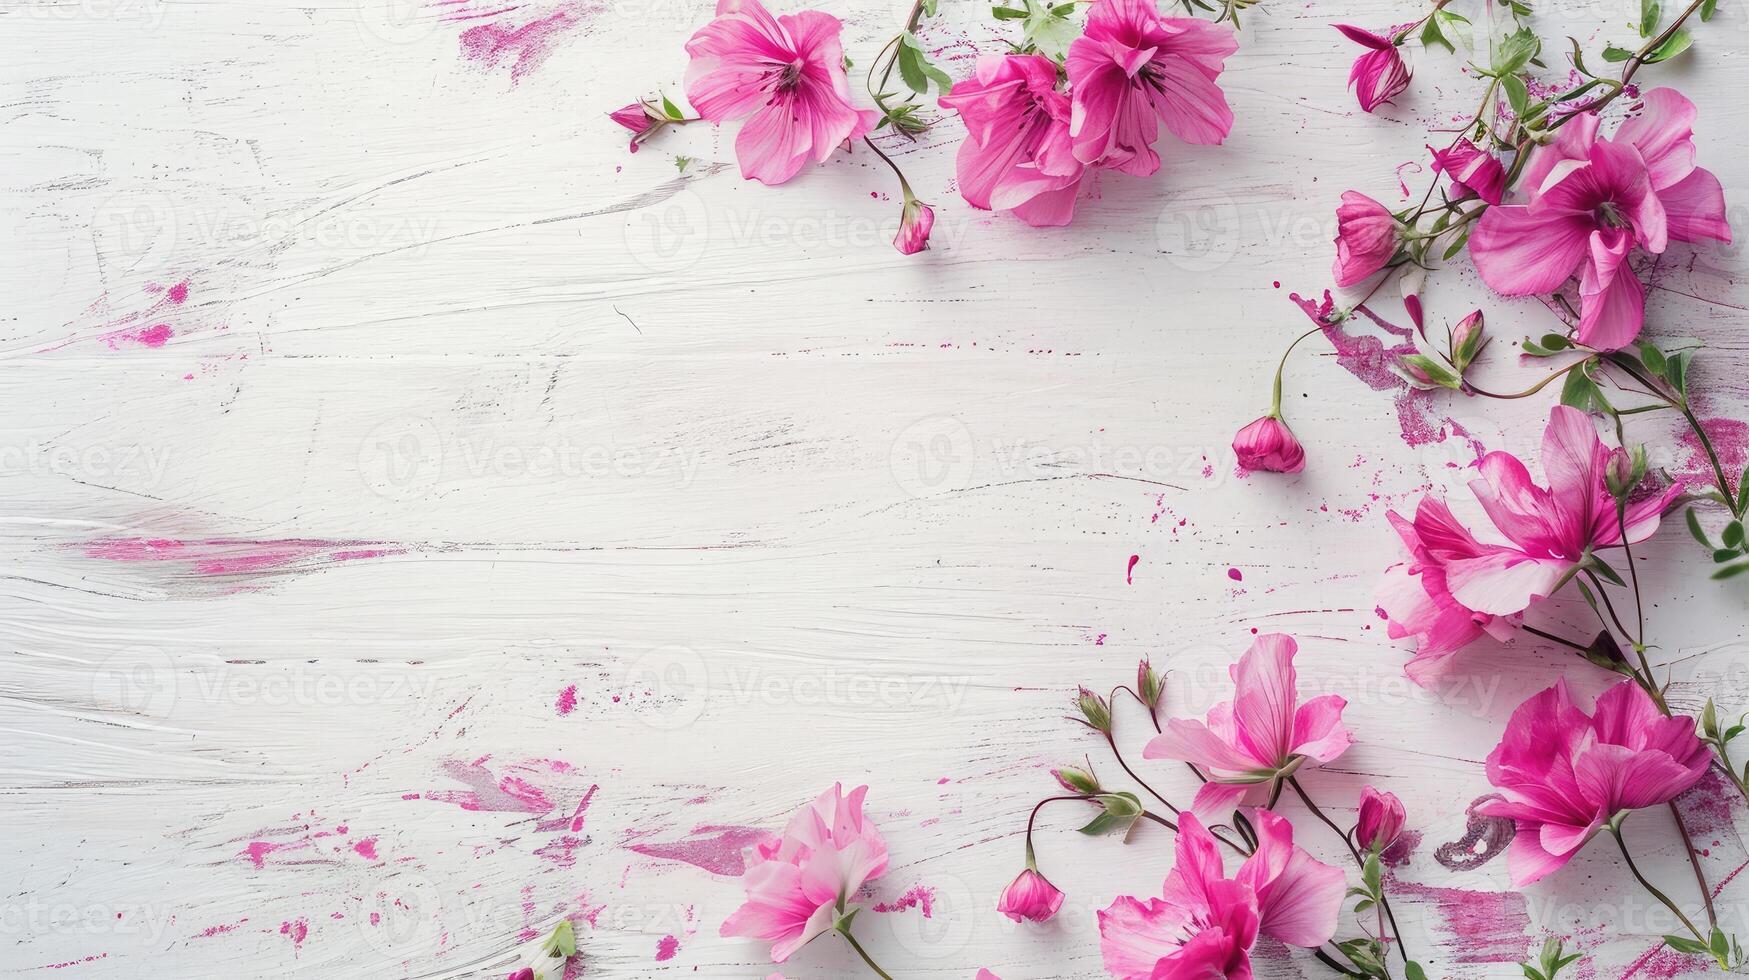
{"points": [[1529, 862], [1134, 936], [1215, 802], [1520, 509], [1193, 107], [1318, 730], [1505, 582], [1572, 145], [1050, 209], [1694, 208], [1186, 740], [1663, 132], [1573, 459], [817, 925], [1265, 692], [1299, 897]]}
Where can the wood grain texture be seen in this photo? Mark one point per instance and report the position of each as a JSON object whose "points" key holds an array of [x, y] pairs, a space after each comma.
{"points": [[426, 520]]}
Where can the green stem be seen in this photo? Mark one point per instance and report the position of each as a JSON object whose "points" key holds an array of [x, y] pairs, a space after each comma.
{"points": [[884, 975], [1706, 890], [1533, 389], [1653, 889], [1384, 902], [1280, 366]]}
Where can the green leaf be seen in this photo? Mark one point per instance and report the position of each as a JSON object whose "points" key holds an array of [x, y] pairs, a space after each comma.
{"points": [[1653, 358], [1723, 555], [1709, 8], [671, 110], [1049, 28], [1556, 341], [1432, 36], [1517, 95], [1733, 534], [1413, 971], [1731, 572], [911, 68], [1685, 945], [1582, 393], [1676, 370], [1677, 43], [1650, 12], [1602, 568], [1694, 528], [563, 941], [1513, 52], [1008, 13], [1615, 55]]}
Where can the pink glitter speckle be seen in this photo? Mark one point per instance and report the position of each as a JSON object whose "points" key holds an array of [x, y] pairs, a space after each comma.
{"points": [[666, 947], [567, 702], [525, 47], [921, 897], [297, 931], [366, 848]]}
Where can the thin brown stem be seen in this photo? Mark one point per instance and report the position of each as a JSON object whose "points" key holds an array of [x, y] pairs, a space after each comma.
{"points": [[1359, 861]]}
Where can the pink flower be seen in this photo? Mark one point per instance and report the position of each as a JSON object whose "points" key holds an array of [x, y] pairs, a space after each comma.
{"points": [[1455, 587], [1204, 924], [1417, 600], [1366, 238], [1132, 69], [1269, 445], [1378, 76], [526, 973], [1030, 896], [1016, 155], [787, 73], [798, 884], [1591, 201], [1258, 737], [1381, 819], [1563, 774], [1472, 171], [634, 116], [915, 223]]}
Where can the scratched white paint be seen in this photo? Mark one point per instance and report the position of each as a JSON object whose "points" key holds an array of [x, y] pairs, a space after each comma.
{"points": [[464, 407]]}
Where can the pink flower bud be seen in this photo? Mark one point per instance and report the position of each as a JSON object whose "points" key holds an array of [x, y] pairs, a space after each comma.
{"points": [[914, 227], [1269, 445], [1366, 238], [1467, 339], [526, 973], [1031, 897], [1076, 780], [1094, 709], [1148, 685], [1381, 820], [1472, 171], [634, 116], [1380, 75]]}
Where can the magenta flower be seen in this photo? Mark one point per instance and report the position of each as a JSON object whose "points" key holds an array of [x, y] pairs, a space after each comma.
{"points": [[1260, 736], [1591, 201], [798, 884], [1366, 238], [1269, 445], [1380, 821], [915, 223], [526, 973], [1030, 896], [1016, 155], [634, 116], [1564, 774], [1379, 75], [787, 73], [1204, 924], [1472, 171], [1132, 69], [1454, 587]]}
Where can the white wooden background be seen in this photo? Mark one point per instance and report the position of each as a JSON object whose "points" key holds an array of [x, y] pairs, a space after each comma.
{"points": [[424, 520]]}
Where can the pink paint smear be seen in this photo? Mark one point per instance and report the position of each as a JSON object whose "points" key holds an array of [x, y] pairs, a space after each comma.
{"points": [[922, 897], [715, 849], [666, 947], [524, 44], [147, 327], [521, 787], [235, 556]]}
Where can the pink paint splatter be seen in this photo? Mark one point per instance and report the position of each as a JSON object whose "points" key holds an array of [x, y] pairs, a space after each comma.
{"points": [[1368, 358], [1730, 439], [921, 897], [62, 966], [1129, 572], [297, 931], [154, 336], [666, 947], [257, 852], [366, 848], [567, 702], [219, 930], [525, 46], [1235, 575], [516, 788], [716, 849]]}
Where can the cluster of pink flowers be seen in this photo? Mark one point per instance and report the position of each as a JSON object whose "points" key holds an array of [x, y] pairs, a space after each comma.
{"points": [[1035, 125]]}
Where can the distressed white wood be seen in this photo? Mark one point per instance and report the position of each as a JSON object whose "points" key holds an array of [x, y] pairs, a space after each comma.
{"points": [[466, 407]]}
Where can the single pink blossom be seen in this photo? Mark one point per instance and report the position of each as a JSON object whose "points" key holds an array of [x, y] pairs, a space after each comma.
{"points": [[1366, 238], [787, 74], [526, 973], [1472, 171], [1269, 445], [1017, 154], [1132, 69], [1380, 821], [634, 116], [1591, 201], [1563, 774], [1454, 587], [915, 223], [798, 884], [1031, 897], [1204, 924], [1260, 736], [1379, 75]]}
